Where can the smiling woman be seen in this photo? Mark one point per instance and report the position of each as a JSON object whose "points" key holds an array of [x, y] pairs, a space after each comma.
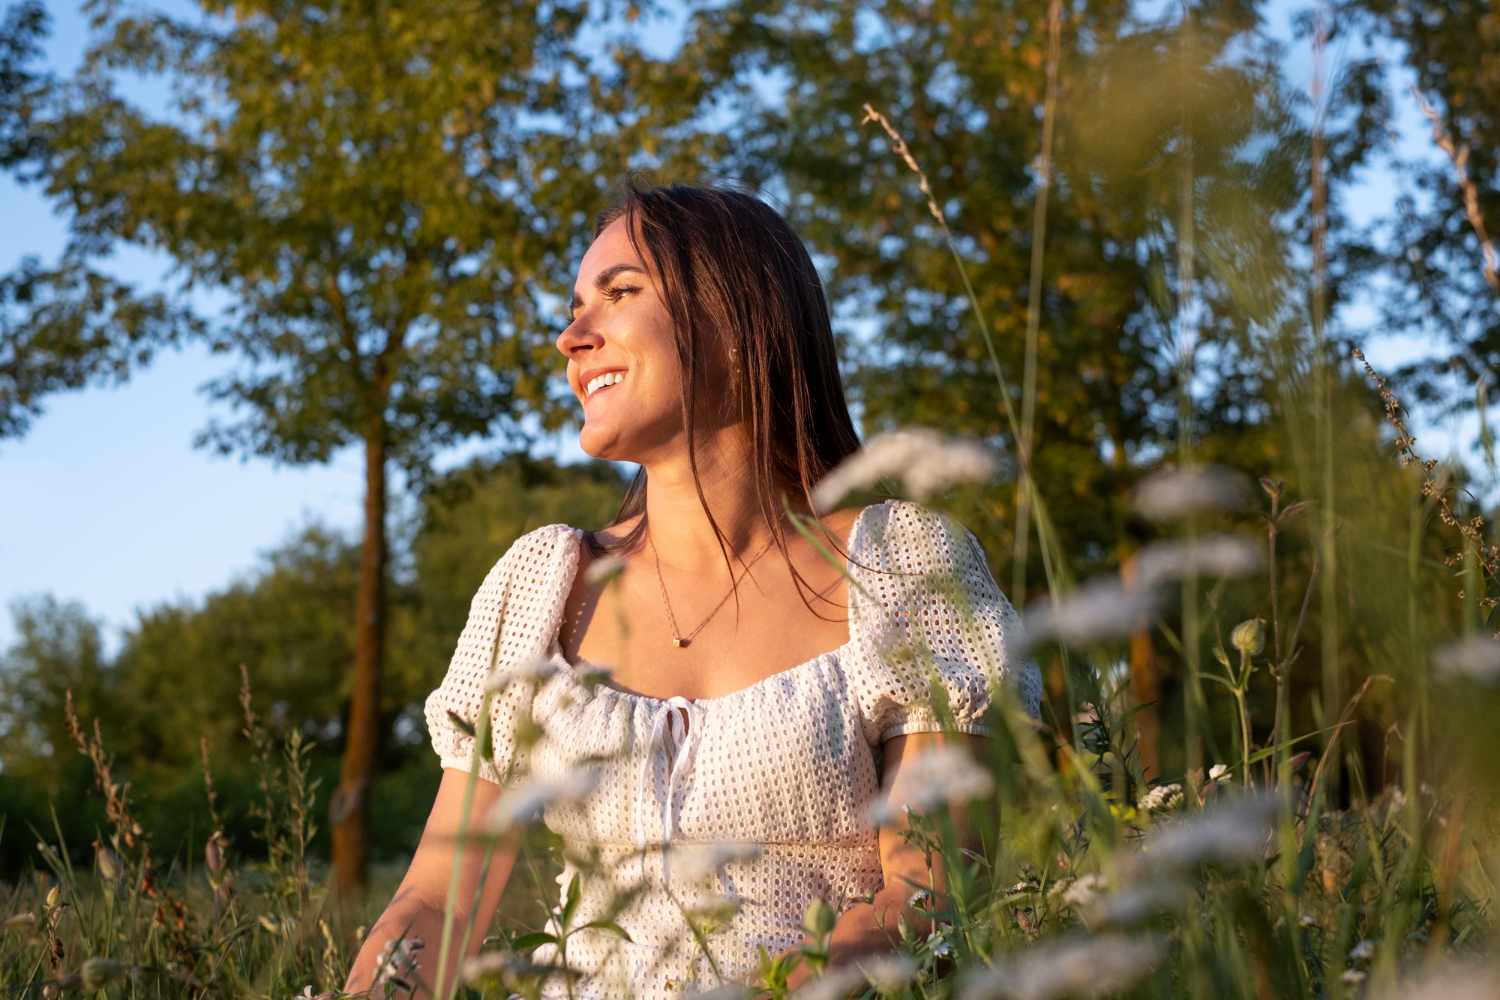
{"points": [[652, 721]]}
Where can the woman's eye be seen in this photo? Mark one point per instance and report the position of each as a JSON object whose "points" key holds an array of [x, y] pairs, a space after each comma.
{"points": [[618, 292]]}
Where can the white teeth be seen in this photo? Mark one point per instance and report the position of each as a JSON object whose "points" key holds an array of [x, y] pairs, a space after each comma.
{"points": [[599, 381]]}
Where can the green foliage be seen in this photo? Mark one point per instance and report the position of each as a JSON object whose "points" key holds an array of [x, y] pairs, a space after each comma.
{"points": [[172, 690], [1441, 282], [1144, 104]]}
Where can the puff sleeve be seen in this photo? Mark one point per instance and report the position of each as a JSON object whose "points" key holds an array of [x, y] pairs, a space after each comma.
{"points": [[923, 605], [506, 627]]}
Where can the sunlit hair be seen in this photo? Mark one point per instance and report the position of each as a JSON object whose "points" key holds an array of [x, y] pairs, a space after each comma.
{"points": [[729, 266]]}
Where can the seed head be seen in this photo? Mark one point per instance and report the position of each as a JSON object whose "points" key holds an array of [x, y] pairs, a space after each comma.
{"points": [[1177, 493], [924, 460], [704, 860], [1101, 610], [524, 801], [604, 571], [943, 774], [1100, 965], [1477, 658]]}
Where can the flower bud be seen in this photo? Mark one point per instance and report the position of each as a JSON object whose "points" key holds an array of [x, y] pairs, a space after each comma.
{"points": [[213, 853], [820, 918], [107, 861], [54, 896], [98, 973], [1249, 637]]}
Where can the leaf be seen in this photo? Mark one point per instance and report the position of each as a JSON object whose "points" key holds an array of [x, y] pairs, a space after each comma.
{"points": [[532, 940], [1296, 510], [574, 897], [460, 723], [607, 925]]}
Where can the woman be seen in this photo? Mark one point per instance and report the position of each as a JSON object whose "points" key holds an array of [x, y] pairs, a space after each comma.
{"points": [[753, 697]]}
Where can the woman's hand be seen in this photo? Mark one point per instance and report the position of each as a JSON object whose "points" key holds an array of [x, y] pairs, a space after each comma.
{"points": [[415, 913], [874, 927]]}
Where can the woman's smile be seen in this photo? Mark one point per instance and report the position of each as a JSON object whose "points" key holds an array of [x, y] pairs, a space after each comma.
{"points": [[593, 380]]}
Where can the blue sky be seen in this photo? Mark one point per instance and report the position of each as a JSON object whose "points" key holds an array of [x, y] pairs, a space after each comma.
{"points": [[107, 502]]}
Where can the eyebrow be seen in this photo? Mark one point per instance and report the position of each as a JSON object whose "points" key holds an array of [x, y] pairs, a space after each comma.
{"points": [[602, 280]]}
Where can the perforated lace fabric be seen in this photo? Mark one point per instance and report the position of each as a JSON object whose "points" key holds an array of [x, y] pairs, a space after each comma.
{"points": [[788, 764]]}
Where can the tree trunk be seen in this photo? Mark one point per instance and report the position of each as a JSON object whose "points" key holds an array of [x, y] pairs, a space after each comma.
{"points": [[1145, 689], [349, 810]]}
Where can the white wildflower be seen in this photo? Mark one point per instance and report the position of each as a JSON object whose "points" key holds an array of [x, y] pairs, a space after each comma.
{"points": [[604, 571], [1307, 920], [937, 943], [1140, 902], [97, 973], [1228, 556], [1094, 966], [525, 800], [1477, 657], [725, 991], [1353, 976], [1100, 610], [924, 460], [1161, 798], [715, 909], [397, 960], [1174, 493], [1231, 834], [1362, 952], [943, 774], [1084, 890], [704, 860], [532, 671], [835, 984], [1449, 982], [889, 973], [489, 963], [1218, 773]]}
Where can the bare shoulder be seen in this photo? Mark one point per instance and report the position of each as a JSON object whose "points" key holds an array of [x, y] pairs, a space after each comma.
{"points": [[840, 523]]}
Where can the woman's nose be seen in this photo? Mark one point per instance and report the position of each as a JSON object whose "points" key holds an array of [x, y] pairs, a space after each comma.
{"points": [[578, 337]]}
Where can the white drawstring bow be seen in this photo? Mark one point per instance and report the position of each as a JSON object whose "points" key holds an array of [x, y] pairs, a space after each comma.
{"points": [[678, 720]]}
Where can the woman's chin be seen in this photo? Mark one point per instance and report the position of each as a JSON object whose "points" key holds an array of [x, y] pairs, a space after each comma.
{"points": [[597, 442]]}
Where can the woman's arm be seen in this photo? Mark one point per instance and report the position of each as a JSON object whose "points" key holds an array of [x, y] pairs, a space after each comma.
{"points": [[874, 927], [416, 911]]}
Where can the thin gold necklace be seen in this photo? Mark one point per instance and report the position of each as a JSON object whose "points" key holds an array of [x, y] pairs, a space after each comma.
{"points": [[678, 639]]}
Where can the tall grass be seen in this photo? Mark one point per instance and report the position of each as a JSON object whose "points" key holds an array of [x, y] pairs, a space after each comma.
{"points": [[1289, 856]]}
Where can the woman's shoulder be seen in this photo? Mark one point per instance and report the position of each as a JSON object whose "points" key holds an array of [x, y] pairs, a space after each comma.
{"points": [[538, 547], [901, 529]]}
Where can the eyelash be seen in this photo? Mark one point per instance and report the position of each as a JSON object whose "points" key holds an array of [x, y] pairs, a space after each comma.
{"points": [[613, 294]]}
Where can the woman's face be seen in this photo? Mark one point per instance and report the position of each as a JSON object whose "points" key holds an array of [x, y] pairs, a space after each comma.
{"points": [[622, 355]]}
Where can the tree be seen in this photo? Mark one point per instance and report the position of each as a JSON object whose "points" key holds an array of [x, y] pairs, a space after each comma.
{"points": [[1447, 279], [386, 192], [68, 326]]}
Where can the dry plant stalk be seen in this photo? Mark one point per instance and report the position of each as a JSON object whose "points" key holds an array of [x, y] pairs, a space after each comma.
{"points": [[1460, 157], [1472, 528]]}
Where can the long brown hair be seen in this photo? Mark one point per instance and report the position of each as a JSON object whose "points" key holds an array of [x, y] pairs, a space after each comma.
{"points": [[729, 265]]}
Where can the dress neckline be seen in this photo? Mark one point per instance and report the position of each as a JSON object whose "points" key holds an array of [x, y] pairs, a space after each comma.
{"points": [[837, 653]]}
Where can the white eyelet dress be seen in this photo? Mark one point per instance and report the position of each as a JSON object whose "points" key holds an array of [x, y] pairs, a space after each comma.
{"points": [[787, 765]]}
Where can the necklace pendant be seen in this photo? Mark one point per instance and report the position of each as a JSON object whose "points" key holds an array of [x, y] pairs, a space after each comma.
{"points": [[679, 642]]}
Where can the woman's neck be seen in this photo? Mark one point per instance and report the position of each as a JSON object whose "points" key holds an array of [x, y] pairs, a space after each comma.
{"points": [[679, 527]]}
